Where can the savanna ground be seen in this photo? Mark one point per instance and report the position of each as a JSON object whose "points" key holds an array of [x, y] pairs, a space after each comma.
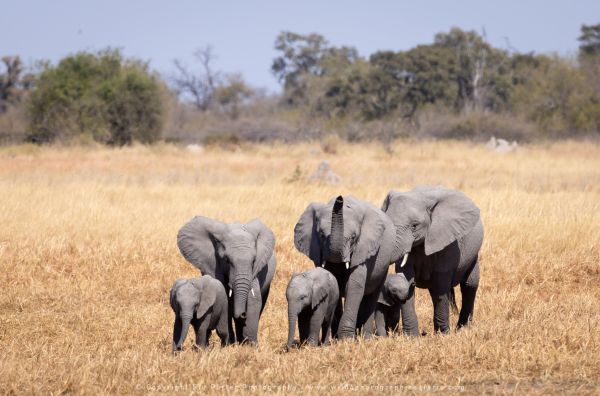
{"points": [[88, 254]]}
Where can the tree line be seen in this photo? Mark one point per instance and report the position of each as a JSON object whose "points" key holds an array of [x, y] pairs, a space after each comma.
{"points": [[459, 86]]}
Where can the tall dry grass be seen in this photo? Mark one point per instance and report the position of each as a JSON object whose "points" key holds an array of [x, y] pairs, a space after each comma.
{"points": [[88, 254]]}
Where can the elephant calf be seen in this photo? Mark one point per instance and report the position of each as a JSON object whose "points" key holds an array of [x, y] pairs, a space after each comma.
{"points": [[312, 298], [203, 303], [395, 292]]}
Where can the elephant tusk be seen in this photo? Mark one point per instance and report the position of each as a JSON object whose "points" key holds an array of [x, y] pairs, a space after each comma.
{"points": [[347, 264], [230, 290], [252, 290], [404, 260]]}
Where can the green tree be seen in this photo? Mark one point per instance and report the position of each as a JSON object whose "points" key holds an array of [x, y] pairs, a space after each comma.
{"points": [[589, 41], [232, 94], [103, 95], [300, 57]]}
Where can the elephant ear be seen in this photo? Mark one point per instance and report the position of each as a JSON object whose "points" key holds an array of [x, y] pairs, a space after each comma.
{"points": [[306, 238], [176, 286], [453, 215], [371, 232], [208, 295], [385, 297], [265, 244], [319, 290], [196, 242], [388, 199]]}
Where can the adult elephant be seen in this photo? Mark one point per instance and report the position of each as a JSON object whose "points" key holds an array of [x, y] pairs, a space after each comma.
{"points": [[242, 257], [442, 230], [355, 241]]}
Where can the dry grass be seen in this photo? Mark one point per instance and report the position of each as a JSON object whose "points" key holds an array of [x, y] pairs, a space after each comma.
{"points": [[88, 254]]}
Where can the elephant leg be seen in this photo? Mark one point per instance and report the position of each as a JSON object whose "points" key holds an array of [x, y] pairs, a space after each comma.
{"points": [[380, 327], [316, 321], [410, 322], [253, 310], [441, 312], [176, 332], [355, 289], [326, 329], [368, 307], [223, 330], [202, 332], [468, 290], [393, 319], [264, 295], [337, 315], [230, 322], [304, 325]]}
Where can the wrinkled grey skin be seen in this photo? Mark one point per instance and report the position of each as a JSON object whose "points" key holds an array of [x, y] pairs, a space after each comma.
{"points": [[442, 230], [312, 298], [242, 258], [356, 242], [394, 294], [201, 302]]}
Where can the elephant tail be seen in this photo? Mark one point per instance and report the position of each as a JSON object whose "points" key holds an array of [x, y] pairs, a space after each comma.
{"points": [[452, 300]]}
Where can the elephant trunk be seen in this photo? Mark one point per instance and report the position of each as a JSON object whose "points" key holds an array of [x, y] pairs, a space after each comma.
{"points": [[185, 325], [241, 288], [336, 245], [292, 318]]}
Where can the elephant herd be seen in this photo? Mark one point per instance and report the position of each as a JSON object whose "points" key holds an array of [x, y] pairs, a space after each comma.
{"points": [[431, 234]]}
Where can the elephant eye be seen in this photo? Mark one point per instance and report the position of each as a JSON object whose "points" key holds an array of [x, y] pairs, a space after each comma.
{"points": [[414, 226]]}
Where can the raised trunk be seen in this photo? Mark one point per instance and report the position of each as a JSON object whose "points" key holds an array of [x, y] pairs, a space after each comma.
{"points": [[241, 287], [336, 245], [185, 325], [292, 317]]}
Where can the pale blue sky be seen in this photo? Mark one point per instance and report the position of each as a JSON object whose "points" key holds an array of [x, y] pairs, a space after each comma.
{"points": [[243, 32]]}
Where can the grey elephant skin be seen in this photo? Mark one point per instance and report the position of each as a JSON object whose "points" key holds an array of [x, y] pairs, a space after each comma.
{"points": [[394, 294], [312, 298], [242, 258], [441, 230], [355, 241], [201, 302]]}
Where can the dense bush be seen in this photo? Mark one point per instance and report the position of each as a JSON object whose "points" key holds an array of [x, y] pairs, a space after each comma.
{"points": [[105, 96]]}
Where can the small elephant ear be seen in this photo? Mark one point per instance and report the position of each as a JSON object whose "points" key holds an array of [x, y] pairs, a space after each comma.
{"points": [[319, 291], [208, 295], [172, 296], [265, 244], [306, 238], [195, 242], [371, 232], [453, 215], [384, 297], [387, 200]]}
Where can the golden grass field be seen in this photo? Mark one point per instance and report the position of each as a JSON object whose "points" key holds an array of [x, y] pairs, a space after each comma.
{"points": [[88, 254]]}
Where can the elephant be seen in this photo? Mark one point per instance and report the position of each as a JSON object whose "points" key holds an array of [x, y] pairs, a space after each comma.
{"points": [[242, 258], [312, 298], [356, 242], [203, 303], [442, 230], [394, 294]]}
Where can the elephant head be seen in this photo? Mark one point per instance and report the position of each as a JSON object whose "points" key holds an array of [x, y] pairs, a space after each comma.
{"points": [[232, 253], [343, 231], [432, 216], [189, 298], [395, 290], [304, 292]]}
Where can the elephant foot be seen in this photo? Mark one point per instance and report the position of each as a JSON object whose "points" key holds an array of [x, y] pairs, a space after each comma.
{"points": [[346, 335]]}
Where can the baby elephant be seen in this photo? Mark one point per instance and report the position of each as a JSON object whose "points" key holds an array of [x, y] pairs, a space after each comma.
{"points": [[394, 293], [312, 298], [203, 303]]}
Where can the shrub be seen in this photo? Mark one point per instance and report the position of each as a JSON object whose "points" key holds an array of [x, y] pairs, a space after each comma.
{"points": [[112, 99]]}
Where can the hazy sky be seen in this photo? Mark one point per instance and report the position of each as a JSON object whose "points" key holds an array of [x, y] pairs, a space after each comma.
{"points": [[243, 32]]}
